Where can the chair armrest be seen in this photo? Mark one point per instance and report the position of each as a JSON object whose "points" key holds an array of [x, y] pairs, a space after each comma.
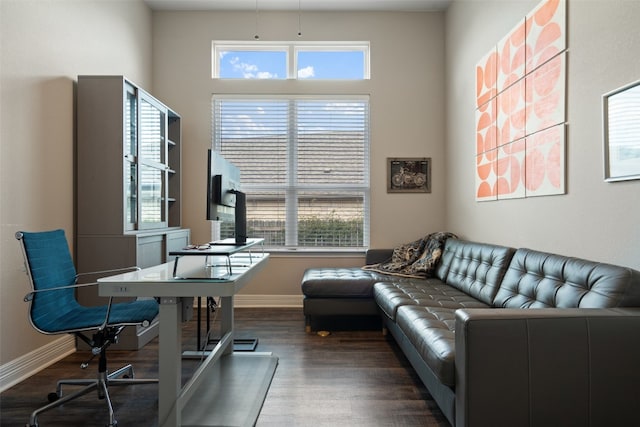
{"points": [[376, 256], [29, 297], [547, 366], [113, 270]]}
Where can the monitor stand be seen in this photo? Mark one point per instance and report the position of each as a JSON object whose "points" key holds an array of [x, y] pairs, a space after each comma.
{"points": [[227, 242], [241, 218]]}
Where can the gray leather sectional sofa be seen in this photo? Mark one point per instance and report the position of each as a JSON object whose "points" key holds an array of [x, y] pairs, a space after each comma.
{"points": [[503, 336]]}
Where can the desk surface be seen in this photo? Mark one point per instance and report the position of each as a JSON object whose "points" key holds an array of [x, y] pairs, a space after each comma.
{"points": [[206, 276], [226, 384]]}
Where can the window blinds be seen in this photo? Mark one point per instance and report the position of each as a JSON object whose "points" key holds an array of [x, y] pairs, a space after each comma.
{"points": [[304, 165]]}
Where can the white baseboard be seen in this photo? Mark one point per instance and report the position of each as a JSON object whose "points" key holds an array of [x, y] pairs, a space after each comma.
{"points": [[33, 362], [288, 301]]}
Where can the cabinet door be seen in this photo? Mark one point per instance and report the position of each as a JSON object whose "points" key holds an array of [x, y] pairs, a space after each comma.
{"points": [[152, 163], [130, 158], [174, 160], [177, 240], [150, 251]]}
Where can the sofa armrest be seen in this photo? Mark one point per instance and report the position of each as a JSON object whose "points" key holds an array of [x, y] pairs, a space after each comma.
{"points": [[539, 367], [376, 256]]}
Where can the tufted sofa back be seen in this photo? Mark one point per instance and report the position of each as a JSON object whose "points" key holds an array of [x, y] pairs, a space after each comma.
{"points": [[538, 279], [474, 268]]}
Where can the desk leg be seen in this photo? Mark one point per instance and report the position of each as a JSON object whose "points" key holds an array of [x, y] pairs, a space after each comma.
{"points": [[170, 362], [226, 322]]}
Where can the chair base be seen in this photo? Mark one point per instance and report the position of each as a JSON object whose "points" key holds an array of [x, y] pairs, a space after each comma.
{"points": [[101, 384]]}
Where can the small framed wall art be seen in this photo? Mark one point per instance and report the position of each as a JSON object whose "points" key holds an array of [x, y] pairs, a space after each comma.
{"points": [[409, 175], [621, 115]]}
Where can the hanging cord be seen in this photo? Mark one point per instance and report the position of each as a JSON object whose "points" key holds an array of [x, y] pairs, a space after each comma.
{"points": [[299, 18], [257, 37]]}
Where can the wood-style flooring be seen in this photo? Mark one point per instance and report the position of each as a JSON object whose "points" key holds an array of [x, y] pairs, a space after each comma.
{"points": [[349, 378]]}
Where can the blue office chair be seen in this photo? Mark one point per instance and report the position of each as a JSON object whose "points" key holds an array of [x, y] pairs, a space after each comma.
{"points": [[55, 310]]}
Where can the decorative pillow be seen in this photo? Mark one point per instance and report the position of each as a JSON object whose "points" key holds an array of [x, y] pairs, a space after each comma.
{"points": [[417, 259]]}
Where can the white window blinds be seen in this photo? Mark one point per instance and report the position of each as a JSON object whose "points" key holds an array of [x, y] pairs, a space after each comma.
{"points": [[304, 165]]}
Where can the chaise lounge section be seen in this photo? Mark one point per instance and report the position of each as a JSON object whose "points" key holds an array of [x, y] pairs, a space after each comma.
{"points": [[333, 294], [505, 336]]}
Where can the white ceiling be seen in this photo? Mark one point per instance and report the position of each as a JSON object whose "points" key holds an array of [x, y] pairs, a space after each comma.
{"points": [[304, 5]]}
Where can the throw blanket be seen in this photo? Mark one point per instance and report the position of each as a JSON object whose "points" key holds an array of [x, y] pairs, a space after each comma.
{"points": [[417, 259]]}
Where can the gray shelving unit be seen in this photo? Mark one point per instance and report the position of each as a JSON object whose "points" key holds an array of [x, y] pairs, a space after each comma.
{"points": [[128, 184]]}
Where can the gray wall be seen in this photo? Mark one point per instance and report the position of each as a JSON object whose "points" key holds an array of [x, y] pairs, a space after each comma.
{"points": [[45, 45], [595, 220], [407, 114]]}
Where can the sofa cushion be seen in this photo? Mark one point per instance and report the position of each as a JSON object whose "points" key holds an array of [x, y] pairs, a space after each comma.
{"points": [[431, 331], [346, 282], [474, 268], [427, 293], [538, 279]]}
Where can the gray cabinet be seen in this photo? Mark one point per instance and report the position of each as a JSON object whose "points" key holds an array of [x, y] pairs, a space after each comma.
{"points": [[128, 179]]}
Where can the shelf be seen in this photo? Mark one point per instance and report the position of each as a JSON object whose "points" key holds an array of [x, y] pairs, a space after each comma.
{"points": [[224, 247]]}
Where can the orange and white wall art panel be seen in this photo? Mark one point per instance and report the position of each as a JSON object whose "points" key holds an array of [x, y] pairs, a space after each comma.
{"points": [[520, 93], [545, 95], [510, 168], [543, 162], [486, 75]]}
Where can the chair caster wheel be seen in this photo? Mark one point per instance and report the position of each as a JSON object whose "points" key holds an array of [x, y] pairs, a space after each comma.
{"points": [[52, 397]]}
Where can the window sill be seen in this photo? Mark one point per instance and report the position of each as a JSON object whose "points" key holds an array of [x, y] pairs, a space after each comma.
{"points": [[316, 252]]}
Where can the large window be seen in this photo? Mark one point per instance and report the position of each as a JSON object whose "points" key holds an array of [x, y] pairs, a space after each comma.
{"points": [[304, 165]]}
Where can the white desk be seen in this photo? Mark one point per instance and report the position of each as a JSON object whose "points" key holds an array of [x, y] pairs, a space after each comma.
{"points": [[236, 384]]}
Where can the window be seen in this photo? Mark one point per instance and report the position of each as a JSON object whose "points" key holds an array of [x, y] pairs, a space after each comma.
{"points": [[291, 60], [330, 63], [304, 165], [252, 62]]}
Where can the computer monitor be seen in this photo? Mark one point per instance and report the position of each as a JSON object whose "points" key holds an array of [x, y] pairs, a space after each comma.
{"points": [[225, 200]]}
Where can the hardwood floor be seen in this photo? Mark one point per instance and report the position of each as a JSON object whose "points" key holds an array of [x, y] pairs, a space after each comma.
{"points": [[349, 378]]}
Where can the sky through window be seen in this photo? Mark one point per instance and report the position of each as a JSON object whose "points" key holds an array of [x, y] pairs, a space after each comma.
{"points": [[253, 65], [273, 63]]}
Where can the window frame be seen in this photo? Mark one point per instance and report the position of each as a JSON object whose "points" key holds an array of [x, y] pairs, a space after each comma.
{"points": [[292, 49], [333, 47], [293, 188]]}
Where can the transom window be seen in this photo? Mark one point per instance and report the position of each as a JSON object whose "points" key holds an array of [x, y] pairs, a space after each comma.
{"points": [[304, 165], [291, 60]]}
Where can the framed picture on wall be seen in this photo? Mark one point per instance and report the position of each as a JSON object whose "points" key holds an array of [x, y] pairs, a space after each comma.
{"points": [[621, 114], [409, 175]]}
